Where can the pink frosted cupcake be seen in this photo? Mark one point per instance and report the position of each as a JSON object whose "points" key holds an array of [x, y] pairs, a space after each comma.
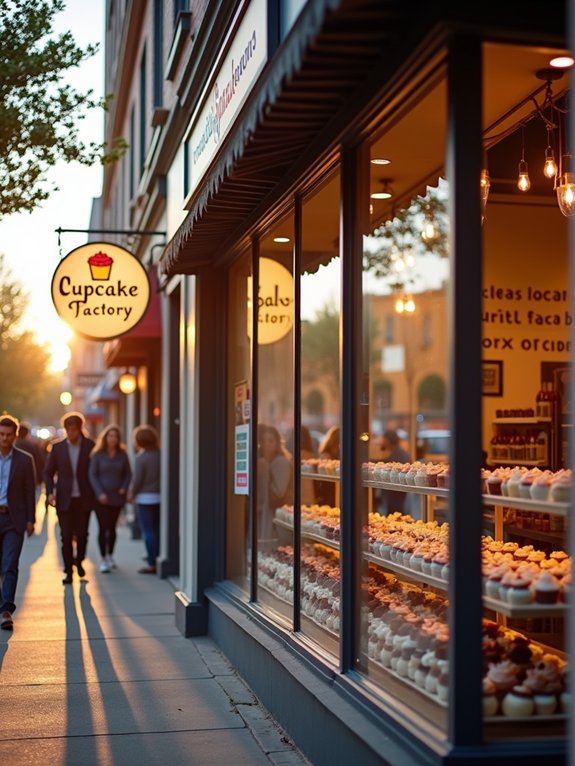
{"points": [[546, 588], [494, 483]]}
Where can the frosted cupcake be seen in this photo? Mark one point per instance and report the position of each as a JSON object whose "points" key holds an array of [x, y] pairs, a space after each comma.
{"points": [[541, 487], [518, 702], [494, 483], [514, 481], [561, 489], [490, 702], [503, 675], [519, 591], [546, 588]]}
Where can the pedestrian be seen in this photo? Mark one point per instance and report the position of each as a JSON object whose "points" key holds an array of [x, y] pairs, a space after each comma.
{"points": [[68, 488], [145, 491], [17, 513], [110, 475], [27, 443]]}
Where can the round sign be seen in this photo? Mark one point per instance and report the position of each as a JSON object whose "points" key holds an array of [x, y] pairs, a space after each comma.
{"points": [[275, 302], [100, 290]]}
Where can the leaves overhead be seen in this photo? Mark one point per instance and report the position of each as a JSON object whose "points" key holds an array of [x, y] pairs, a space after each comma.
{"points": [[39, 113], [24, 363]]}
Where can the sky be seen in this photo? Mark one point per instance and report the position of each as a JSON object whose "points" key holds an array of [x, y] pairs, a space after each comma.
{"points": [[28, 240]]}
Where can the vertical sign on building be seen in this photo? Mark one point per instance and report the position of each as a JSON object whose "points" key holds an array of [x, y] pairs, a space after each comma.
{"points": [[227, 91]]}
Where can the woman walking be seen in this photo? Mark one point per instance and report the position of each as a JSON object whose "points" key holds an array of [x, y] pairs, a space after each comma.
{"points": [[110, 476], [145, 491]]}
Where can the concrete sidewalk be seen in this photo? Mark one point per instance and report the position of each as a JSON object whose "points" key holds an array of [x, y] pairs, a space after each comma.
{"points": [[96, 673]]}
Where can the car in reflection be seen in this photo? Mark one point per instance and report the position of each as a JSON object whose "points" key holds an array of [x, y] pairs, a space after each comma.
{"points": [[432, 445]]}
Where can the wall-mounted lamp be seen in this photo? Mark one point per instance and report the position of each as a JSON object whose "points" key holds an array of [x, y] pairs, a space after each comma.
{"points": [[127, 382]]}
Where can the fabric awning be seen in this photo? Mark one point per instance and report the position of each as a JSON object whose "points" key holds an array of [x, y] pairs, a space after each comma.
{"points": [[139, 345], [328, 54]]}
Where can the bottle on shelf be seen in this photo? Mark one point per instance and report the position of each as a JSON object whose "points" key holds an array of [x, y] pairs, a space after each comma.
{"points": [[531, 448], [543, 401], [542, 447]]}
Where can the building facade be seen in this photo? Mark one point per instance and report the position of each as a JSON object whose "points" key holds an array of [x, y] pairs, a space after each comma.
{"points": [[304, 148]]}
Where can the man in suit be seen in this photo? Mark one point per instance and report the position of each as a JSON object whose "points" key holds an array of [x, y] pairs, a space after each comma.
{"points": [[68, 488], [17, 513]]}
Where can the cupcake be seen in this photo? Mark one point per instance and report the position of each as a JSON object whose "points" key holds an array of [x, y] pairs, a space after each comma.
{"points": [[561, 489], [546, 588], [545, 703], [513, 482], [518, 702], [443, 686], [490, 702], [503, 675], [541, 487], [494, 483], [519, 591]]}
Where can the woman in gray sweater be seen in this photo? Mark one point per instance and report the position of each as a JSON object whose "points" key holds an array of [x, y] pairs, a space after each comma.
{"points": [[145, 491], [110, 476]]}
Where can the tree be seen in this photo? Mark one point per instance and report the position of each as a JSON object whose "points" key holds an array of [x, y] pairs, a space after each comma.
{"points": [[418, 229], [24, 363], [39, 113]]}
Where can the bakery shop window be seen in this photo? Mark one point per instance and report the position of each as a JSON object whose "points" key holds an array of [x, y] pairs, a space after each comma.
{"points": [[275, 416], [526, 364], [402, 615], [320, 281]]}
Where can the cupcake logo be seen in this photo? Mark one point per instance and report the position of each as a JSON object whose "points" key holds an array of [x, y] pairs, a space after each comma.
{"points": [[101, 290], [100, 266]]}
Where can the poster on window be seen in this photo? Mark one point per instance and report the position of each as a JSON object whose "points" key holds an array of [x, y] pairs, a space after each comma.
{"points": [[241, 460]]}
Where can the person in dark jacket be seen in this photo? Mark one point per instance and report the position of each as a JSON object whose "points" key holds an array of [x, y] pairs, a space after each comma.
{"points": [[145, 491], [110, 476], [68, 488], [17, 513]]}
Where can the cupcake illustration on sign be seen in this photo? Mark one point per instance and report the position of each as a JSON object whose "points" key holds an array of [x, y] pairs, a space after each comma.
{"points": [[100, 266]]}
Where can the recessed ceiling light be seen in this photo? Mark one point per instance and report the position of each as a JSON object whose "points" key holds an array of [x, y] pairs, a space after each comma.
{"points": [[381, 195], [281, 240], [380, 161], [562, 62]]}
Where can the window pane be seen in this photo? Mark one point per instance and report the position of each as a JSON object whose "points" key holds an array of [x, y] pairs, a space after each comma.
{"points": [[320, 387], [403, 632], [527, 312], [275, 417]]}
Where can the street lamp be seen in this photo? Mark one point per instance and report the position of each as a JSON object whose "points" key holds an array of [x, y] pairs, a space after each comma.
{"points": [[127, 382], [65, 398]]}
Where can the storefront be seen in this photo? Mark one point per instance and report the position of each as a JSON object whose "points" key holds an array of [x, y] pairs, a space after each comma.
{"points": [[383, 185]]}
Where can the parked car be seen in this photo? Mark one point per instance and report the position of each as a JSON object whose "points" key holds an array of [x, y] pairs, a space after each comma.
{"points": [[432, 445]]}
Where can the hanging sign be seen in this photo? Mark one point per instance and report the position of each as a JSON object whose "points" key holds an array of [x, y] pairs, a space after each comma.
{"points": [[100, 290], [275, 302]]}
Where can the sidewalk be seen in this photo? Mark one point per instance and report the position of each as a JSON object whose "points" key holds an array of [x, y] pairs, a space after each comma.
{"points": [[96, 673]]}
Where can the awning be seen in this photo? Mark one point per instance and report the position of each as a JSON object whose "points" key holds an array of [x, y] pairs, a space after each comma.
{"points": [[330, 51], [102, 394], [138, 346]]}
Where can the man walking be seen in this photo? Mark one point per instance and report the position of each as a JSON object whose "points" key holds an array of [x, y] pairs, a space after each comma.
{"points": [[17, 513], [68, 488]]}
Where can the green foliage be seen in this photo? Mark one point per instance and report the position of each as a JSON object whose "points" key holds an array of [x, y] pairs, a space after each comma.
{"points": [[39, 114], [403, 234], [24, 363], [320, 347]]}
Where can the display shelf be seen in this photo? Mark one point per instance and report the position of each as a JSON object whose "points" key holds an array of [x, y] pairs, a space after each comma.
{"points": [[535, 534], [531, 463], [525, 611], [313, 536], [520, 421], [522, 504], [404, 571], [319, 476], [503, 719], [408, 488], [409, 683]]}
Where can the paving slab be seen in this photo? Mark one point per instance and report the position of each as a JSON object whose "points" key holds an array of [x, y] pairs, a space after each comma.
{"points": [[96, 673], [237, 748]]}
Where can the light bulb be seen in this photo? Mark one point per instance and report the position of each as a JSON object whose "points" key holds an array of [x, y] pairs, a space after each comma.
{"points": [[523, 182], [428, 233], [566, 194], [399, 265], [409, 305], [550, 167], [410, 260], [484, 184], [399, 306]]}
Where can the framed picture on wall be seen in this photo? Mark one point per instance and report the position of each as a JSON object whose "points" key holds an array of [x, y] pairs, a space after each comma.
{"points": [[492, 378]]}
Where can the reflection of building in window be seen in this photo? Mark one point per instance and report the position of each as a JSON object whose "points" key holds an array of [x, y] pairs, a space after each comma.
{"points": [[432, 393], [382, 395], [426, 330], [388, 333]]}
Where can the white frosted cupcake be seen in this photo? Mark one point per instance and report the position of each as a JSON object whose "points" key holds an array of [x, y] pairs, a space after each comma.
{"points": [[518, 703]]}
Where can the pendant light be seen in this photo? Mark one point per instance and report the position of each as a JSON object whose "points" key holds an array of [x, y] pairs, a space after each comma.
{"points": [[550, 166], [523, 181]]}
